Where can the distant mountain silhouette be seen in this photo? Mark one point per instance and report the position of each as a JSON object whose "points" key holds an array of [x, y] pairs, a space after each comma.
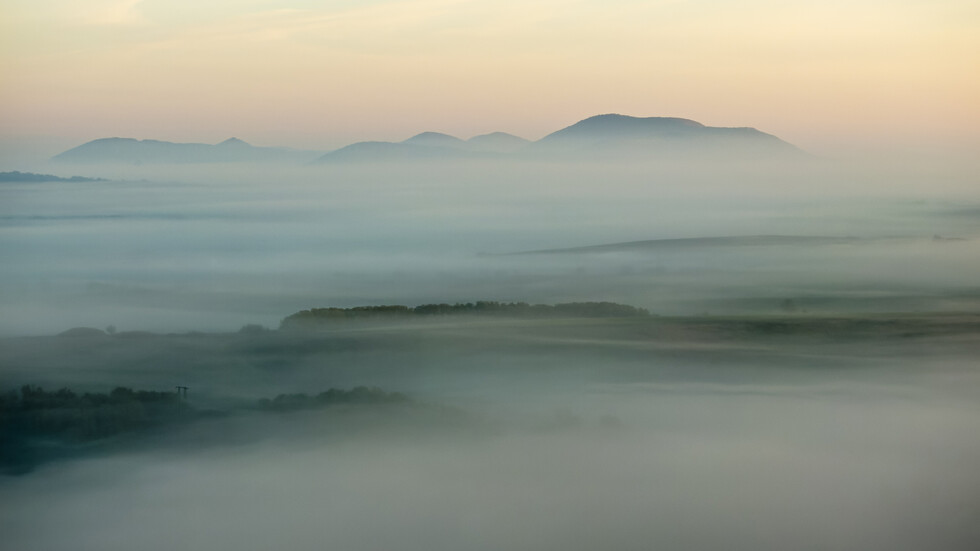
{"points": [[423, 147], [613, 137], [622, 136], [496, 142], [604, 127], [234, 143], [392, 151], [602, 137], [435, 139], [130, 151]]}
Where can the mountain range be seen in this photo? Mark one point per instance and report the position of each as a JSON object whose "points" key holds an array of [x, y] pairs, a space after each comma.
{"points": [[602, 137], [130, 151]]}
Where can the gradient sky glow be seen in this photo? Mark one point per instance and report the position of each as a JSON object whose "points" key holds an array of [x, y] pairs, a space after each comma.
{"points": [[829, 75]]}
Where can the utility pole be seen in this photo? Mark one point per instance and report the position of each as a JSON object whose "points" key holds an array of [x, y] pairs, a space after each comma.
{"points": [[181, 398]]}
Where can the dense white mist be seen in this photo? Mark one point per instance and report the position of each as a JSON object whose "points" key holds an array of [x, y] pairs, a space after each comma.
{"points": [[813, 417], [879, 460], [210, 247]]}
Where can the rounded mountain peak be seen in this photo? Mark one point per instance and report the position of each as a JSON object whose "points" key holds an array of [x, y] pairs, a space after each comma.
{"points": [[234, 142], [434, 139]]}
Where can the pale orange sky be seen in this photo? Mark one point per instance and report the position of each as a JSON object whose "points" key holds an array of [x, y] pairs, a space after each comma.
{"points": [[830, 76]]}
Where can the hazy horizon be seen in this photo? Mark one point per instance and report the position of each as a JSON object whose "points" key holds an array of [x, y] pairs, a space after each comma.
{"points": [[789, 360], [833, 78]]}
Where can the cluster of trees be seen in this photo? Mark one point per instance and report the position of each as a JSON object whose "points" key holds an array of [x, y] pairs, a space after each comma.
{"points": [[62, 414], [334, 396], [37, 425], [318, 316]]}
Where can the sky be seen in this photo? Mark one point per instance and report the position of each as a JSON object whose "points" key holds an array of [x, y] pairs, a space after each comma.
{"points": [[832, 76]]}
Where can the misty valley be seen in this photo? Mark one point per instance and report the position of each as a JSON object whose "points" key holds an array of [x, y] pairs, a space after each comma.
{"points": [[470, 347], [619, 427]]}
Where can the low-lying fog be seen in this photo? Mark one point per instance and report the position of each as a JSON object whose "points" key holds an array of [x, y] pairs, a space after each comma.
{"points": [[525, 435], [808, 394], [211, 248]]}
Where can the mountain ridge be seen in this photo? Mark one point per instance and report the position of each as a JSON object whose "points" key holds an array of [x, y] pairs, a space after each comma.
{"points": [[613, 134], [608, 136], [134, 151]]}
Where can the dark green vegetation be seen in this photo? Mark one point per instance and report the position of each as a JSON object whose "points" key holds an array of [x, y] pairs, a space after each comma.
{"points": [[632, 422], [432, 350], [320, 316], [443, 353], [334, 396], [75, 417], [38, 425], [228, 370]]}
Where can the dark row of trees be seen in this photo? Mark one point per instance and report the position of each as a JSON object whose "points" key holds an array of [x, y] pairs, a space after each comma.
{"points": [[65, 415], [334, 396], [34, 397], [317, 316], [37, 425]]}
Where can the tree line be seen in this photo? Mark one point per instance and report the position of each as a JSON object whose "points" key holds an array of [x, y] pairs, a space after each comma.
{"points": [[65, 415], [37, 424], [334, 396], [318, 316]]}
